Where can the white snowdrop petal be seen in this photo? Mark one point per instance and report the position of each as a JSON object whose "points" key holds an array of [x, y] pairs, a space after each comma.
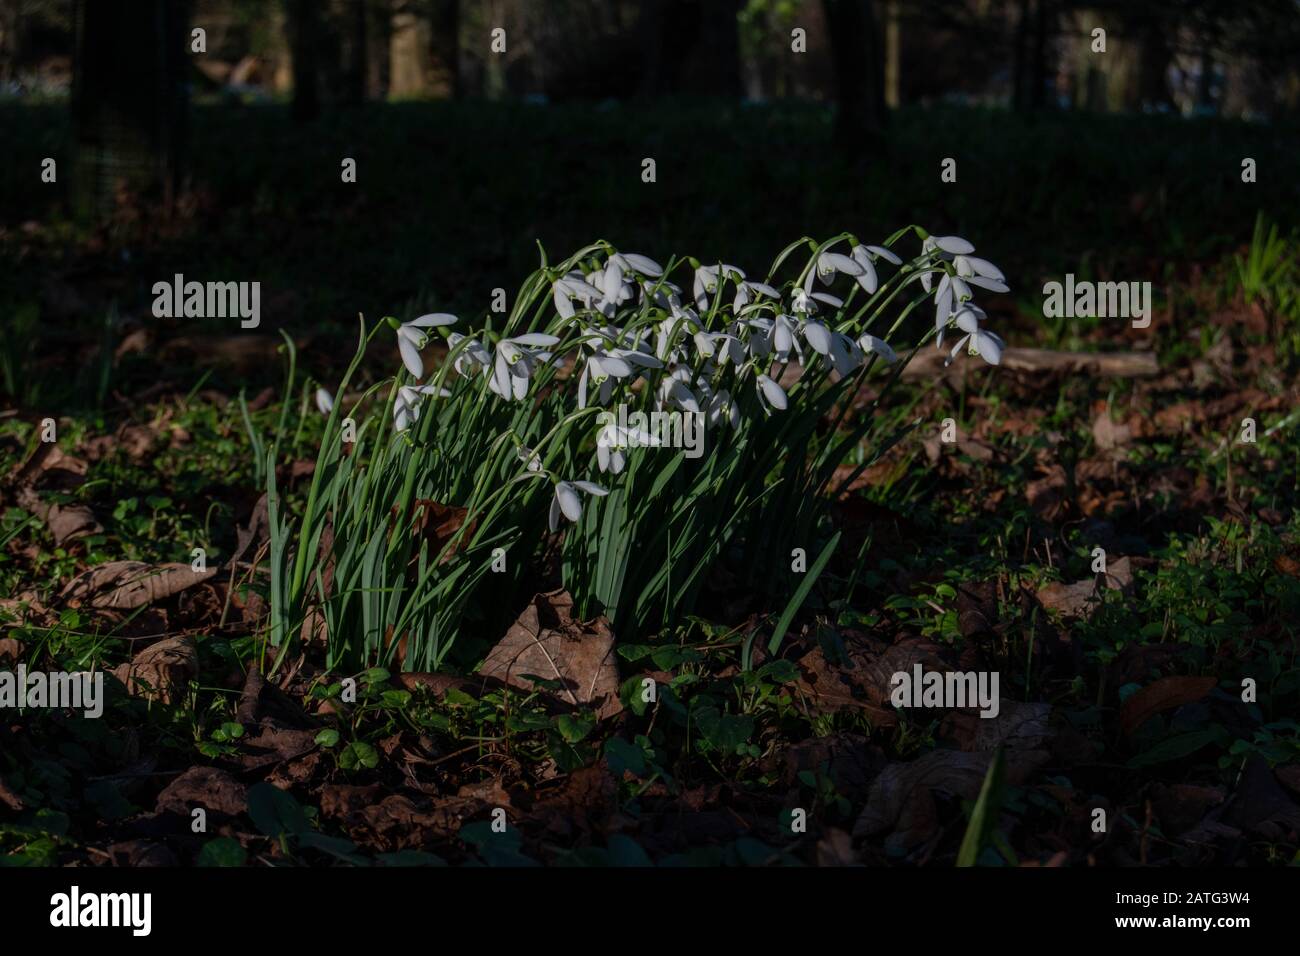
{"points": [[829, 299], [955, 245], [324, 401], [781, 335], [554, 518], [562, 303], [410, 356], [989, 347], [434, 320], [868, 280], [773, 393], [838, 262], [886, 254], [569, 501], [591, 488], [643, 264], [985, 268], [818, 336], [987, 282]]}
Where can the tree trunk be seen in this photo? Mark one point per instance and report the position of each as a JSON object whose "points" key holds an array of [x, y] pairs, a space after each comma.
{"points": [[444, 48], [356, 52], [696, 48], [408, 53], [1044, 27], [859, 93], [304, 35], [128, 101], [1153, 66], [893, 53], [1020, 65]]}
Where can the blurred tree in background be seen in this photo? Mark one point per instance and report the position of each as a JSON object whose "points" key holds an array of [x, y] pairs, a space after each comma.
{"points": [[1187, 56], [128, 101]]}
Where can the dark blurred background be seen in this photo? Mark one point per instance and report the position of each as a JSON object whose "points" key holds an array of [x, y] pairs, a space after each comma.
{"points": [[767, 120]]}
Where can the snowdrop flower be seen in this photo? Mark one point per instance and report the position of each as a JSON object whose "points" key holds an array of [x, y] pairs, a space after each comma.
{"points": [[721, 344], [866, 257], [747, 292], [324, 401], [782, 336], [980, 272], [830, 263], [406, 407], [806, 303], [606, 366], [675, 392], [984, 344], [723, 410], [965, 307], [573, 286], [614, 289], [840, 351], [567, 502], [515, 361], [757, 335], [613, 439], [633, 262], [770, 394], [411, 338], [953, 245], [664, 294], [708, 279], [871, 345], [531, 459], [472, 359], [681, 319]]}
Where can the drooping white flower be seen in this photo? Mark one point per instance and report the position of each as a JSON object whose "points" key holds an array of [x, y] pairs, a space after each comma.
{"points": [[882, 252], [871, 345], [474, 358], [614, 288], [634, 262], [411, 338], [573, 286], [675, 390], [954, 245], [807, 303], [839, 350], [980, 272], [708, 279], [771, 395], [869, 281], [721, 345], [406, 406], [782, 336], [604, 367], [830, 263], [516, 359], [747, 292], [984, 344], [532, 461], [613, 439], [324, 401], [567, 502], [722, 410]]}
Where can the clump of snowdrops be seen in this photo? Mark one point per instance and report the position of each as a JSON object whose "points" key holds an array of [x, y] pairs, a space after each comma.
{"points": [[508, 427]]}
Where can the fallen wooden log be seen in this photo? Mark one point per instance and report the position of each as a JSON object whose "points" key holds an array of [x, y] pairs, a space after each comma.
{"points": [[928, 363]]}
